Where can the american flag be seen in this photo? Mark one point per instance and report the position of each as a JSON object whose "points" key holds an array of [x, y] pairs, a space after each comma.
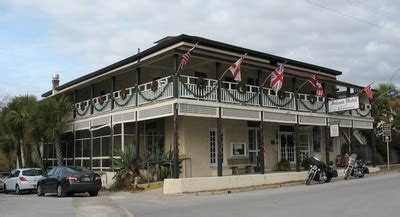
{"points": [[186, 57], [317, 85], [368, 91], [235, 69], [277, 78]]}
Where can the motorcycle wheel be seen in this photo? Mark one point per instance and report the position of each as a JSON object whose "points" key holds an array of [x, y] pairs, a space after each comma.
{"points": [[309, 178], [362, 175], [346, 174], [328, 179]]}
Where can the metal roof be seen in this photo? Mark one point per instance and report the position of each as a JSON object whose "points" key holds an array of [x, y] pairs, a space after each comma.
{"points": [[169, 40]]}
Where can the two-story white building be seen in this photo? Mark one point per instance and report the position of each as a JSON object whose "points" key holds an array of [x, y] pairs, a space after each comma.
{"points": [[218, 128]]}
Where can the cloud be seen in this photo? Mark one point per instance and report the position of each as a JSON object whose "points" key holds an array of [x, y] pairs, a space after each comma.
{"points": [[102, 32]]}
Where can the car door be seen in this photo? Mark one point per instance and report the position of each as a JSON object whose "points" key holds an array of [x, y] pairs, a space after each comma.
{"points": [[12, 181], [53, 179], [45, 183]]}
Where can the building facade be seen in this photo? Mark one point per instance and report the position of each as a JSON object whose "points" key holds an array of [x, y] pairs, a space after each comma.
{"points": [[213, 124]]}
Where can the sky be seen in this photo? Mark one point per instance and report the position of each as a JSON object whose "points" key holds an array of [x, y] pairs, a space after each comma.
{"points": [[39, 38]]}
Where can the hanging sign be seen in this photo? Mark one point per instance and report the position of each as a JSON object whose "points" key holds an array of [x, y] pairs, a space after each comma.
{"points": [[334, 130], [345, 104]]}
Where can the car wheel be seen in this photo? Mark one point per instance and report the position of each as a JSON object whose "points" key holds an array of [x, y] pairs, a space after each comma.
{"points": [[39, 191], [5, 189], [17, 190], [60, 191], [93, 193]]}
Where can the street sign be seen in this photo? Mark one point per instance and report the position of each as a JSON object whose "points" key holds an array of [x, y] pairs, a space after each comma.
{"points": [[386, 127], [386, 131], [386, 138]]}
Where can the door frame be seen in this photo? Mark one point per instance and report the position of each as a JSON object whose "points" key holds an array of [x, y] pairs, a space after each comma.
{"points": [[280, 145], [257, 150]]}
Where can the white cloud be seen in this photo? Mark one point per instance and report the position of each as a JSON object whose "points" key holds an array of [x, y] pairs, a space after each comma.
{"points": [[103, 32]]}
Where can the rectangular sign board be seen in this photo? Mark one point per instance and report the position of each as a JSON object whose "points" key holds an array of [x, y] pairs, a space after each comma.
{"points": [[334, 130], [345, 104]]}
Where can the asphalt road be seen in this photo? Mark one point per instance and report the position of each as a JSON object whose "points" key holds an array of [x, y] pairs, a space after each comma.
{"points": [[371, 196]]}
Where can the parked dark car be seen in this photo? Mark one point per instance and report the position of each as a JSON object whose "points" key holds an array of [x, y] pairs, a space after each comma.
{"points": [[3, 177], [68, 180]]}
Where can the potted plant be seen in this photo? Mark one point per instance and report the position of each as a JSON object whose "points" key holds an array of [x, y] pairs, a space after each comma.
{"points": [[284, 165]]}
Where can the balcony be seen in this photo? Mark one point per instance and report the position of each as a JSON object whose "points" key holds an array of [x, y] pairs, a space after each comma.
{"points": [[204, 89]]}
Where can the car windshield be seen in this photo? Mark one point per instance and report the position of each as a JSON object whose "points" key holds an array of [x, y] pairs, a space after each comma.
{"points": [[77, 169], [32, 172]]}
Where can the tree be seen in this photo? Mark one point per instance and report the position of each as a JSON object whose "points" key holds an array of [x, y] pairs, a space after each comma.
{"points": [[50, 121], [16, 116]]}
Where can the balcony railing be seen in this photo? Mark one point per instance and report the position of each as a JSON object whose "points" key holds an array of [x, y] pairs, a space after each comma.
{"points": [[205, 89]]}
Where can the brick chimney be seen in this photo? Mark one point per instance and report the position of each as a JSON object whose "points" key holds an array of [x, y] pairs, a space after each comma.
{"points": [[56, 82]]}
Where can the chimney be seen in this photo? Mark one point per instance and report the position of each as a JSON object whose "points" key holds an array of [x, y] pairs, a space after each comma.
{"points": [[56, 82]]}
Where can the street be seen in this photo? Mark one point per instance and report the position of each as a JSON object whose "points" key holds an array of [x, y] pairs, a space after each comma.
{"points": [[374, 195]]}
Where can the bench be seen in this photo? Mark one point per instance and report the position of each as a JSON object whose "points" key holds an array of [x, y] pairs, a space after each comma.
{"points": [[239, 165]]}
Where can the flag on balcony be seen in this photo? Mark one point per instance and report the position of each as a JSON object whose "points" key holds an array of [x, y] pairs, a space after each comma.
{"points": [[392, 92], [277, 78], [235, 69], [186, 57], [317, 85], [368, 91]]}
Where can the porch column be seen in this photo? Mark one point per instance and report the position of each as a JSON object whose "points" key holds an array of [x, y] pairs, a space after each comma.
{"points": [[91, 147], [297, 145], [112, 91], [74, 137], [91, 98], [112, 144], [219, 123], [351, 136], [75, 101], [175, 118], [327, 128], [261, 126], [137, 127], [373, 148], [296, 126]]}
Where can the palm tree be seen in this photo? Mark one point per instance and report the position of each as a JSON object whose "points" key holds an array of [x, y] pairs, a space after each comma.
{"points": [[50, 121], [16, 116]]}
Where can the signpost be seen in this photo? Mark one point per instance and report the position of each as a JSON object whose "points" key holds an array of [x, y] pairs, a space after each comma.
{"points": [[387, 137], [337, 105]]}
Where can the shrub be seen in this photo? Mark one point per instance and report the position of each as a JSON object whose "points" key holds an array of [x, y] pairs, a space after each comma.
{"points": [[284, 165], [125, 168]]}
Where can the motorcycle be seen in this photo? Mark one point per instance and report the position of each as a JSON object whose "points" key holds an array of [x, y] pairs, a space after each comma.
{"points": [[320, 171], [355, 168]]}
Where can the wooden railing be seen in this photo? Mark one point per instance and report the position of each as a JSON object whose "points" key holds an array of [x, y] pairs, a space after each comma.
{"points": [[205, 89]]}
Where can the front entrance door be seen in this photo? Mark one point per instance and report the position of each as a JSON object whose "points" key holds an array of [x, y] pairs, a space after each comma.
{"points": [[287, 149], [254, 150]]}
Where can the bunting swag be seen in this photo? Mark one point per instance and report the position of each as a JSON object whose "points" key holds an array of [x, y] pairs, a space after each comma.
{"points": [[277, 78], [317, 85], [235, 69]]}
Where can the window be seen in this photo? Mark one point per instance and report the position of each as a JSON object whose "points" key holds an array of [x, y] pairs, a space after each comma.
{"points": [[32, 172], [57, 171], [213, 142], [238, 149], [51, 172], [317, 139]]}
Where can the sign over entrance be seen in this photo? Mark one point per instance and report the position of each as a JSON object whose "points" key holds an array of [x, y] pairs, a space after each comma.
{"points": [[338, 105]]}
